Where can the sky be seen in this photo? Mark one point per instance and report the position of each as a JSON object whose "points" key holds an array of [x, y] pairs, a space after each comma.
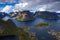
{"points": [[3, 3], [32, 5]]}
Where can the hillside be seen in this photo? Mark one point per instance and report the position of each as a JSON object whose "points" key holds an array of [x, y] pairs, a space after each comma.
{"points": [[9, 28]]}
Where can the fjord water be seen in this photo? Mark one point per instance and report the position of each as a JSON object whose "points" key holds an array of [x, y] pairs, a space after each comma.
{"points": [[40, 32]]}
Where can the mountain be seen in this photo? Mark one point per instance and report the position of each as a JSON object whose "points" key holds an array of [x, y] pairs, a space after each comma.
{"points": [[13, 14], [46, 15], [25, 16], [5, 24], [4, 16]]}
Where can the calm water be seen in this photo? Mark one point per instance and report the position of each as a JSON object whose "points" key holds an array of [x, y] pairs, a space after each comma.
{"points": [[40, 32]]}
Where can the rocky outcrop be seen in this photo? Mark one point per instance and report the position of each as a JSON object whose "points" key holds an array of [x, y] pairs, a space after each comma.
{"points": [[25, 16], [46, 15]]}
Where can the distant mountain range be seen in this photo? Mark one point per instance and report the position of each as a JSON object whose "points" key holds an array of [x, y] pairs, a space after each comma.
{"points": [[30, 15], [47, 15]]}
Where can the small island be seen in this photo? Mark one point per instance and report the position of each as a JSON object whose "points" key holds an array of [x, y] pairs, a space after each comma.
{"points": [[43, 24]]}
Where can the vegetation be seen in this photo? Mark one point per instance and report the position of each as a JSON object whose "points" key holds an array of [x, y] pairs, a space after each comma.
{"points": [[25, 16], [43, 24], [15, 31], [19, 18]]}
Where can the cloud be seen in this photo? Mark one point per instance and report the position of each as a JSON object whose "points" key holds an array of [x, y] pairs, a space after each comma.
{"points": [[10, 1], [57, 11], [42, 8], [55, 6], [7, 1], [34, 4], [6, 9], [20, 6], [39, 2], [42, 5]]}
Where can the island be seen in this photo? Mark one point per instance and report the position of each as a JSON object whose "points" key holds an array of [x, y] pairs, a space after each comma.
{"points": [[42, 24], [24, 16]]}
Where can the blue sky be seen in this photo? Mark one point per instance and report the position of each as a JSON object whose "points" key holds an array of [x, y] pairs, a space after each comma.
{"points": [[4, 4]]}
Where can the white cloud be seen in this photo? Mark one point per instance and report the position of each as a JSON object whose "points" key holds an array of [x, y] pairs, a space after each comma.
{"points": [[10, 1], [39, 2], [20, 6], [6, 9], [43, 8], [32, 4], [53, 7], [57, 11], [7, 1]]}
